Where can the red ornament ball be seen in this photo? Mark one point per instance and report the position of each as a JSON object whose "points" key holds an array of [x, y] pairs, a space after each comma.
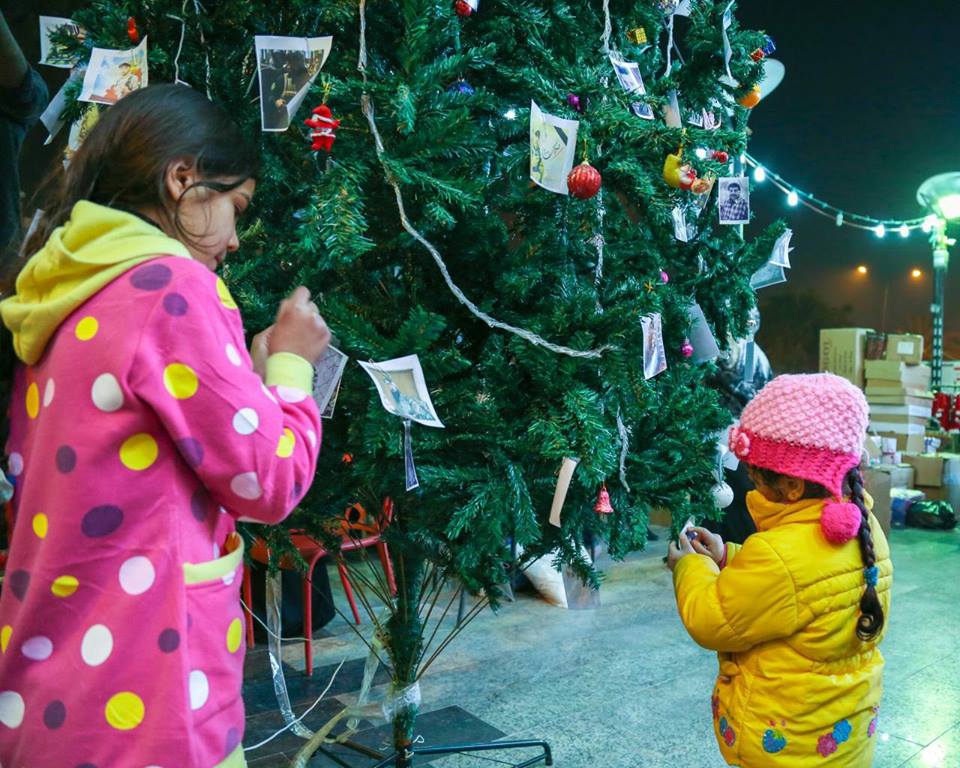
{"points": [[687, 348], [720, 156], [584, 181], [463, 8]]}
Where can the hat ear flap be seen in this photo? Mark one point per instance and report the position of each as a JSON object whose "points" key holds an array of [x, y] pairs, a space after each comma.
{"points": [[840, 521]]}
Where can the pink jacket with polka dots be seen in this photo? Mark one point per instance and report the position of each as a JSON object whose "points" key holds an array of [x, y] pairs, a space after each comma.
{"points": [[137, 440]]}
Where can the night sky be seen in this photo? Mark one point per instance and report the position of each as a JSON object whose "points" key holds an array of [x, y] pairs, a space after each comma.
{"points": [[869, 108]]}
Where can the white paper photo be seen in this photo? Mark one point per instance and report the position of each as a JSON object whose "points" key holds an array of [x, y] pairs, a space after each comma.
{"points": [[769, 274], [51, 115], [553, 146], [683, 229], [287, 67], [705, 347], [111, 74], [781, 250], [671, 111], [52, 54], [326, 378], [403, 390], [734, 200], [654, 355], [628, 74]]}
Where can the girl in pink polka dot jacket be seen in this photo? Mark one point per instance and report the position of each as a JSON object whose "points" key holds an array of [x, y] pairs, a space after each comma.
{"points": [[140, 431]]}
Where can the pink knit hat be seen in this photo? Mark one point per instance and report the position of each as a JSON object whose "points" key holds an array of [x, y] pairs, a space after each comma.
{"points": [[812, 427]]}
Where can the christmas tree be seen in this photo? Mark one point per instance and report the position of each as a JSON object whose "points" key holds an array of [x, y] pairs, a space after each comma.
{"points": [[439, 224]]}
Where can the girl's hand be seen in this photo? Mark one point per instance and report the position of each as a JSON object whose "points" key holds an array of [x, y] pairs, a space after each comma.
{"points": [[709, 544], [674, 552], [299, 328], [260, 351]]}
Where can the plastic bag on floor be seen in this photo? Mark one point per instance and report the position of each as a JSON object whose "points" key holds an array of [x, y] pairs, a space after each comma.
{"points": [[933, 515]]}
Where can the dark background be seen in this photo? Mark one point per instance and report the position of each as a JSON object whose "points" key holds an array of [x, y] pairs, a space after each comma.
{"points": [[869, 108]]}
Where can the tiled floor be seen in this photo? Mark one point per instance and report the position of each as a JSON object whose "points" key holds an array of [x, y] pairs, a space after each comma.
{"points": [[622, 685]]}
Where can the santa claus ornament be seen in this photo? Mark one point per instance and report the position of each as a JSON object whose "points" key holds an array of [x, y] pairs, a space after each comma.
{"points": [[323, 128]]}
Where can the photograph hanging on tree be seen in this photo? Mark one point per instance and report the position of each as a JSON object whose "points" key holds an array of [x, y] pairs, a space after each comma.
{"points": [[326, 379], [53, 54], [78, 132], [734, 200], [287, 67], [403, 389], [553, 146], [654, 355], [111, 74], [628, 73], [705, 347]]}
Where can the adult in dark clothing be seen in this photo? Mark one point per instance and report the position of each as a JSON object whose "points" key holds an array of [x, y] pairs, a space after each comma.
{"points": [[23, 96], [738, 379]]}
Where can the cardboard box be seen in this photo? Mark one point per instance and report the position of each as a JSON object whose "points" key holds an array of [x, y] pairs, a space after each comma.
{"points": [[878, 485], [907, 443], [899, 373], [935, 470], [842, 351], [894, 389], [901, 412], [905, 348], [887, 427], [901, 475], [915, 402]]}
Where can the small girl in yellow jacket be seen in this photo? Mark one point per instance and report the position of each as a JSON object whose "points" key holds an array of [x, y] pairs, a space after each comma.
{"points": [[796, 613]]}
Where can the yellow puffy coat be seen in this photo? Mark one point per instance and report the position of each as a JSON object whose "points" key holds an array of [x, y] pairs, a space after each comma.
{"points": [[796, 687]]}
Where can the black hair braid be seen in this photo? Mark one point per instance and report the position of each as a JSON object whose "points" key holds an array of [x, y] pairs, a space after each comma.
{"points": [[871, 612]]}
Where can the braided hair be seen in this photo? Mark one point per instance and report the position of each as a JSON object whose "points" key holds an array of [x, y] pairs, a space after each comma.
{"points": [[871, 612]]}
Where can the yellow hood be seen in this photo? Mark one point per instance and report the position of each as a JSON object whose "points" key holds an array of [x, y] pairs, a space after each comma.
{"points": [[94, 247]]}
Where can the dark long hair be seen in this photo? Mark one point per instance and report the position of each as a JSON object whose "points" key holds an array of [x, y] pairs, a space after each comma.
{"points": [[124, 159], [123, 162], [871, 611]]}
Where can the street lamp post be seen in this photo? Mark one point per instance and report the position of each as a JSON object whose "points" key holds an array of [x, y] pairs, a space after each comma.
{"points": [[941, 196]]}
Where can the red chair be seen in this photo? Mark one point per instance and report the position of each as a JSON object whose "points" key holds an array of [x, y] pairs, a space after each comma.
{"points": [[312, 551]]}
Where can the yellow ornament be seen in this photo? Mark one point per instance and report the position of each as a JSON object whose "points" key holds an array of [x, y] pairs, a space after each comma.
{"points": [[677, 173], [637, 36]]}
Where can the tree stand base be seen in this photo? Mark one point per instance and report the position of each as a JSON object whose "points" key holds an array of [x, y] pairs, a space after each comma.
{"points": [[406, 760]]}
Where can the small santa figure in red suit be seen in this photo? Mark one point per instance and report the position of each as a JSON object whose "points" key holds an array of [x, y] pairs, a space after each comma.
{"points": [[322, 128]]}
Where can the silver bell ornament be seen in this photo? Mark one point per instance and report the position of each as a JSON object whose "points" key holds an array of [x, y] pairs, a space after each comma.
{"points": [[722, 495]]}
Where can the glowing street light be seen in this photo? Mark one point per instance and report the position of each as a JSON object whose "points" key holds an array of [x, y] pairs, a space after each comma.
{"points": [[940, 195], [916, 274], [862, 269]]}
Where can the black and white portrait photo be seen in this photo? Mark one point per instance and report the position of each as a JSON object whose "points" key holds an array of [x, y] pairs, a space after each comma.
{"points": [[734, 200]]}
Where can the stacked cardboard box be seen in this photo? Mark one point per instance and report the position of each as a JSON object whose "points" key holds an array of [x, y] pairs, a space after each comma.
{"points": [[842, 351], [937, 475], [898, 390]]}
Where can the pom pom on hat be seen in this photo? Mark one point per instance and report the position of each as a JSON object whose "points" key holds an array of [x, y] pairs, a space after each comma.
{"points": [[840, 521]]}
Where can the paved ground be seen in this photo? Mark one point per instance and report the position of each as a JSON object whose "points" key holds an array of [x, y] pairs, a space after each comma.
{"points": [[622, 685]]}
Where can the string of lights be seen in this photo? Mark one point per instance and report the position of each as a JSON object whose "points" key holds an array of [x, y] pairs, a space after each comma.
{"points": [[840, 217]]}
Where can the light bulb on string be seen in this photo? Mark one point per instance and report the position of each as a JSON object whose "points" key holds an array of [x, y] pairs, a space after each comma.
{"points": [[904, 230], [701, 153], [880, 230], [759, 174], [510, 114], [929, 223], [793, 198], [840, 219]]}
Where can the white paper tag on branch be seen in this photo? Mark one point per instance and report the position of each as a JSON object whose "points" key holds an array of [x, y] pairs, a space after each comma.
{"points": [[563, 485], [781, 250], [671, 111], [704, 344], [654, 355]]}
